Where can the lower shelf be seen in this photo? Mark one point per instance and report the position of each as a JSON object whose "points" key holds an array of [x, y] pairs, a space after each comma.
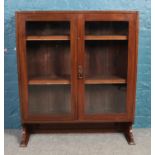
{"points": [[105, 80], [49, 80], [106, 37]]}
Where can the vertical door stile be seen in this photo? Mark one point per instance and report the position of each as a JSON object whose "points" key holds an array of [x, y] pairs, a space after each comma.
{"points": [[73, 49], [132, 65], [81, 43], [21, 54]]}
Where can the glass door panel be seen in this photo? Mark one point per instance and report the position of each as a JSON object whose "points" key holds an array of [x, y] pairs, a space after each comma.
{"points": [[48, 49], [105, 99], [50, 100], [105, 68]]}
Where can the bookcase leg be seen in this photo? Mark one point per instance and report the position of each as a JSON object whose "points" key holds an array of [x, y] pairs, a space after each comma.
{"points": [[129, 135], [25, 137]]}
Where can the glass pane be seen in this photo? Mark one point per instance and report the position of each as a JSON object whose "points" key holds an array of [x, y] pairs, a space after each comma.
{"points": [[104, 99], [106, 28], [48, 60], [106, 59], [49, 67], [48, 28], [53, 99]]}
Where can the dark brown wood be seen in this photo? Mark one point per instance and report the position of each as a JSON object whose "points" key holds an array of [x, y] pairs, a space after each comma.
{"points": [[25, 137], [22, 66], [129, 135], [81, 47], [78, 127], [77, 71], [47, 55], [132, 65]]}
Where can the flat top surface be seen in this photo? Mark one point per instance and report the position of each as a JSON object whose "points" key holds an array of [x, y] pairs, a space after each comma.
{"points": [[80, 11]]}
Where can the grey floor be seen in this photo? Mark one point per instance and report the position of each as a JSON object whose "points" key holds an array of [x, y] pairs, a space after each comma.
{"points": [[79, 144]]}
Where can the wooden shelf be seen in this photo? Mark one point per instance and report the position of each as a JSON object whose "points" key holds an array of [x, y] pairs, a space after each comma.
{"points": [[109, 37], [105, 80], [47, 38], [48, 81]]}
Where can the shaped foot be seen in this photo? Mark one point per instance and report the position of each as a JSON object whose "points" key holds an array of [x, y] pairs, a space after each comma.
{"points": [[129, 135], [24, 138]]}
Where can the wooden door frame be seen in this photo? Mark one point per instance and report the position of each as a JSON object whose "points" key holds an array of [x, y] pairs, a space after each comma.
{"points": [[132, 18], [21, 18]]}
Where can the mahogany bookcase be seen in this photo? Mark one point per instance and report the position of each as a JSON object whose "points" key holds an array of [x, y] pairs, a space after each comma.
{"points": [[77, 71]]}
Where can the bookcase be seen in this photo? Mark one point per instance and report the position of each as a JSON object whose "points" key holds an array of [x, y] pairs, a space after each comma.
{"points": [[77, 71]]}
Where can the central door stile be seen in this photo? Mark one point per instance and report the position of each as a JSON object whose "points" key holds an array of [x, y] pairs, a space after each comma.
{"points": [[80, 66], [74, 51]]}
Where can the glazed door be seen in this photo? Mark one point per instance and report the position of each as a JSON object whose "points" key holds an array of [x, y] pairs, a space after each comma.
{"points": [[105, 66], [48, 61]]}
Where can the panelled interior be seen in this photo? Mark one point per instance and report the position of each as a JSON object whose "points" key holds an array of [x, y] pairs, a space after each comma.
{"points": [[49, 59], [106, 59], [105, 99], [49, 100]]}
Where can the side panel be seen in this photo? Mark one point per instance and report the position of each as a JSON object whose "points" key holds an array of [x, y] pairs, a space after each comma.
{"points": [[21, 62]]}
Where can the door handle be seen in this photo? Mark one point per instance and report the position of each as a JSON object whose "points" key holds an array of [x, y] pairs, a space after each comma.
{"points": [[80, 72]]}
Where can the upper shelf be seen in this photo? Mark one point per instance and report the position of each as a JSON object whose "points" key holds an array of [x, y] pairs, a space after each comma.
{"points": [[106, 37], [47, 38]]}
